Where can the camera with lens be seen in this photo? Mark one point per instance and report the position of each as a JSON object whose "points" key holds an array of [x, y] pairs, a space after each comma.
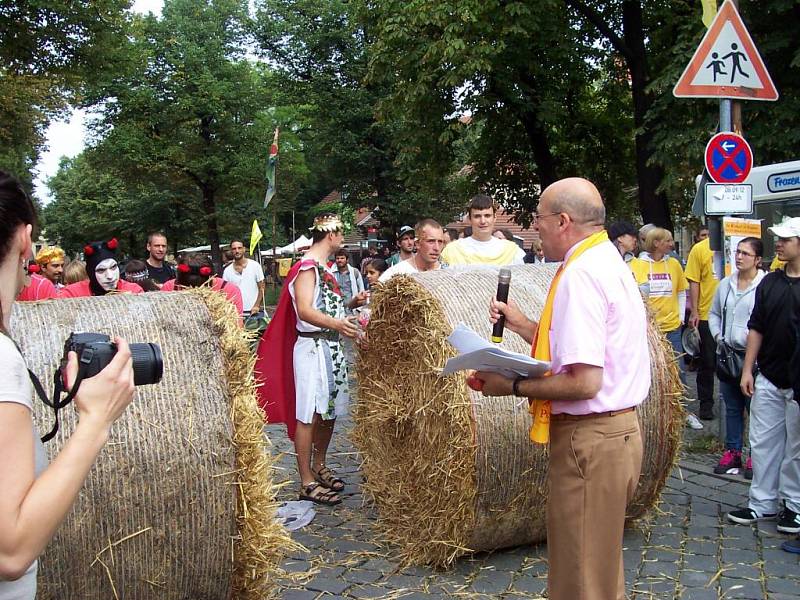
{"points": [[95, 351]]}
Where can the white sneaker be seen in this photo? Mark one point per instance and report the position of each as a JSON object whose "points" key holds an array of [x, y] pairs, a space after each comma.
{"points": [[693, 422]]}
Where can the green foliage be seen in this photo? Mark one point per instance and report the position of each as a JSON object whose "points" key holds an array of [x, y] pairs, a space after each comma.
{"points": [[542, 101], [91, 202], [319, 50], [371, 99], [188, 109], [48, 52]]}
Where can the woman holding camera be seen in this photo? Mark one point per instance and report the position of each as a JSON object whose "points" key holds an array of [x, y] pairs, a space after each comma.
{"points": [[727, 320], [35, 497]]}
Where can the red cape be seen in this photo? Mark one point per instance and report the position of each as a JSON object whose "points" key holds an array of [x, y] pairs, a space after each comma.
{"points": [[274, 370]]}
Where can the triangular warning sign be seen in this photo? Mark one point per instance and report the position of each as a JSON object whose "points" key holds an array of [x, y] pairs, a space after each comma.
{"points": [[726, 64]]}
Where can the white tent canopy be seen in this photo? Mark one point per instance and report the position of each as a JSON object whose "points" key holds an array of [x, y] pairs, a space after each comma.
{"points": [[300, 244]]}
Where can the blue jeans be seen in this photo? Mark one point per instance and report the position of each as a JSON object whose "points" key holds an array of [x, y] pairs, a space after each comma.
{"points": [[674, 338], [735, 405]]}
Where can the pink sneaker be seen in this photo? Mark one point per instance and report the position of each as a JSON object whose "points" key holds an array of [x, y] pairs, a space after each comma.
{"points": [[748, 468], [731, 459]]}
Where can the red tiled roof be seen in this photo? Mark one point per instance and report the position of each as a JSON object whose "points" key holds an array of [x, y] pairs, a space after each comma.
{"points": [[334, 196], [503, 221]]}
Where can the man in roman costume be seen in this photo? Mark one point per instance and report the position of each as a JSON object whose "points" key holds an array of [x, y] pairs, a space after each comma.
{"points": [[301, 365]]}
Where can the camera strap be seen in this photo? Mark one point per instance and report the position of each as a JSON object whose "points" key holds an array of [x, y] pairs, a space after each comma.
{"points": [[58, 388], [56, 403]]}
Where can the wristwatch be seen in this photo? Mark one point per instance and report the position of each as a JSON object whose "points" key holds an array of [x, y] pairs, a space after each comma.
{"points": [[515, 386]]}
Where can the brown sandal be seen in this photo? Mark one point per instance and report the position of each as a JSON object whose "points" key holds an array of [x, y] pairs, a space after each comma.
{"points": [[327, 479], [316, 493]]}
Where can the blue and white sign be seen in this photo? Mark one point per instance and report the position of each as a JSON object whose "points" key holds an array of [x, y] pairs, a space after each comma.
{"points": [[784, 182]]}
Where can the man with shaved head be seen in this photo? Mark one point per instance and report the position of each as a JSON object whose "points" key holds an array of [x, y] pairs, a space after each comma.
{"points": [[593, 330]]}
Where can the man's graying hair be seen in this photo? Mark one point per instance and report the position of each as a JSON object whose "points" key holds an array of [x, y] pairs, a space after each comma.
{"points": [[579, 210]]}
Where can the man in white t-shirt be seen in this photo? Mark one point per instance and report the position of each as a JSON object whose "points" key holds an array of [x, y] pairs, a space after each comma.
{"points": [[481, 247], [429, 244], [249, 278]]}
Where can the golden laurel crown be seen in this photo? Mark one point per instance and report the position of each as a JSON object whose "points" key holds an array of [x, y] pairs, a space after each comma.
{"points": [[327, 223]]}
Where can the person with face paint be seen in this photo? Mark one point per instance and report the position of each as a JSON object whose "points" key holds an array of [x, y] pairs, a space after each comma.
{"points": [[103, 271]]}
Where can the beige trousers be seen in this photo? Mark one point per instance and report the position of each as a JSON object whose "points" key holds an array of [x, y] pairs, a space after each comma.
{"points": [[594, 469]]}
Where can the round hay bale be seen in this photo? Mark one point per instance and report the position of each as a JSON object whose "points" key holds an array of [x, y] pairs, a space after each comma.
{"points": [[180, 502], [450, 470]]}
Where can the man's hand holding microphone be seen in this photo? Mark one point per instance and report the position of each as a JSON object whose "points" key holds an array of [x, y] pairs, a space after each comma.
{"points": [[502, 313]]}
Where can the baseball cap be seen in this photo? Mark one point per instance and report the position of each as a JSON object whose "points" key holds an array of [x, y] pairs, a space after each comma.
{"points": [[789, 227], [404, 230]]}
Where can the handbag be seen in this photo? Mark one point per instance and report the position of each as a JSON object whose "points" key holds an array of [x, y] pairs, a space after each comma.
{"points": [[730, 361]]}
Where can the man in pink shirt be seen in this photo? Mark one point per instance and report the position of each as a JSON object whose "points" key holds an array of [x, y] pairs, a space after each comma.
{"points": [[600, 373]]}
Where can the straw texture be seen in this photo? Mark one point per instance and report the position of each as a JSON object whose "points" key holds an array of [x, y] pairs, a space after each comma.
{"points": [[180, 502], [450, 470]]}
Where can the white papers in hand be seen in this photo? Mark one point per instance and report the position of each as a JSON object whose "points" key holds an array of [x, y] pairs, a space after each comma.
{"points": [[481, 355]]}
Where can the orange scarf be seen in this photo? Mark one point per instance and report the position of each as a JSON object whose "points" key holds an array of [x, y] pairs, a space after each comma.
{"points": [[540, 409]]}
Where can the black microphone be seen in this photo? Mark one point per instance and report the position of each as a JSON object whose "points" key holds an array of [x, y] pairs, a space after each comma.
{"points": [[503, 283]]}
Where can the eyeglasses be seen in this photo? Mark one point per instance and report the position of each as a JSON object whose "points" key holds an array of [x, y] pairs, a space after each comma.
{"points": [[537, 217], [743, 253]]}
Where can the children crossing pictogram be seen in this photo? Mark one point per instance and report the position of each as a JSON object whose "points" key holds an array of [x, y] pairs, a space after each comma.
{"points": [[726, 64]]}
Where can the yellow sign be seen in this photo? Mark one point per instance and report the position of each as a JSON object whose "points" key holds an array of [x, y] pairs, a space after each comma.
{"points": [[734, 230], [742, 227], [284, 264]]}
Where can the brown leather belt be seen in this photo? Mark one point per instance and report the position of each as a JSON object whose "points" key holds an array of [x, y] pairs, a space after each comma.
{"points": [[610, 413]]}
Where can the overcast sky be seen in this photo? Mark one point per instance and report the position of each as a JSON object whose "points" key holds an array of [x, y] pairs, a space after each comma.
{"points": [[66, 137]]}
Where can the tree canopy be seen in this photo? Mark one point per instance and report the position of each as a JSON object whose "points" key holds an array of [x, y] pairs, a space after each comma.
{"points": [[408, 107]]}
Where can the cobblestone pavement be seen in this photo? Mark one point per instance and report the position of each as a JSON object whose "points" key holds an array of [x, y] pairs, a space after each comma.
{"points": [[686, 549]]}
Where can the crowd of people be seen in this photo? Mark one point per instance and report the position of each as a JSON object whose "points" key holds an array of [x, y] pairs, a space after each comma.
{"points": [[592, 331]]}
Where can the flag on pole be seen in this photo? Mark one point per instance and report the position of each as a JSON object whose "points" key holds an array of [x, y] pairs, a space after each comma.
{"points": [[255, 236], [272, 164], [709, 11]]}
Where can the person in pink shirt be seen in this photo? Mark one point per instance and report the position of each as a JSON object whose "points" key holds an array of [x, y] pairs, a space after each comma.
{"points": [[195, 270], [600, 372], [37, 287], [103, 271]]}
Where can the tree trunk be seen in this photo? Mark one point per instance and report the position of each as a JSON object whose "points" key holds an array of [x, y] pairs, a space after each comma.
{"points": [[210, 210], [538, 137], [653, 205], [546, 164]]}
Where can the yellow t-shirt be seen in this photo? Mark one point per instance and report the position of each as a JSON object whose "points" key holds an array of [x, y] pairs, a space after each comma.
{"points": [[664, 280], [777, 263], [700, 269], [469, 251]]}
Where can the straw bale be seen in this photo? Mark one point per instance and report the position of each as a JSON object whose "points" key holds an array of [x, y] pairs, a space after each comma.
{"points": [[180, 502], [450, 470]]}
